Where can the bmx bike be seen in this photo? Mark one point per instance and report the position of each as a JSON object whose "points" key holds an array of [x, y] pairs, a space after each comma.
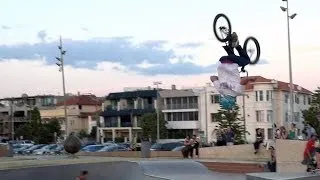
{"points": [[223, 34]]}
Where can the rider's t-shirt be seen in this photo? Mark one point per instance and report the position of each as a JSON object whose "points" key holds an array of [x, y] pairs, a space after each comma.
{"points": [[310, 147]]}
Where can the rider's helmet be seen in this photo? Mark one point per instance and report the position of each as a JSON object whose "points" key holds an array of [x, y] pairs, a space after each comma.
{"points": [[227, 102]]}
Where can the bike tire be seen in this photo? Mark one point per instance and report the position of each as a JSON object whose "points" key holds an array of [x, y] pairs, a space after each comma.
{"points": [[256, 60], [215, 28]]}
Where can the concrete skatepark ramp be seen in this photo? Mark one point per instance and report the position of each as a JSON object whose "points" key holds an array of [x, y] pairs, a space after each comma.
{"points": [[284, 176], [121, 170]]}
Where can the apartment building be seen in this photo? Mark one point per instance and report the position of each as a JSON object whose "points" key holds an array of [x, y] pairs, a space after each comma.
{"points": [[122, 111], [264, 103], [267, 103], [81, 110], [17, 110], [180, 109]]}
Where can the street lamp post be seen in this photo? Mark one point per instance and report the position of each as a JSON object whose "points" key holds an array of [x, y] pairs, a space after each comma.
{"points": [[244, 114], [12, 119], [286, 9], [60, 63], [157, 83]]}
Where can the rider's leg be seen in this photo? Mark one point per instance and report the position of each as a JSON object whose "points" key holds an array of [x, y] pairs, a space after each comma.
{"points": [[229, 50], [244, 58]]}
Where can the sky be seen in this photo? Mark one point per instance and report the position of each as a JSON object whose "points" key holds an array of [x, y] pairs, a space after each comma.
{"points": [[115, 44]]}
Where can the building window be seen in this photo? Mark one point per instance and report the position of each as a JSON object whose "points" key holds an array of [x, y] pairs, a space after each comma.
{"points": [[260, 95], [214, 117], [269, 115], [287, 116], [309, 100], [297, 98], [169, 116], [260, 116], [270, 133], [286, 98], [268, 95], [296, 116], [304, 99], [215, 99], [80, 106], [256, 95], [183, 116]]}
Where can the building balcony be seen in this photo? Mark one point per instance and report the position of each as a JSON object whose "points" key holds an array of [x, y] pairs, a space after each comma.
{"points": [[180, 106], [183, 125], [126, 112], [15, 119], [111, 124]]}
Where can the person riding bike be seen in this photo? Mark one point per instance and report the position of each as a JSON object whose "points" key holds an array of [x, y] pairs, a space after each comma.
{"points": [[228, 81]]}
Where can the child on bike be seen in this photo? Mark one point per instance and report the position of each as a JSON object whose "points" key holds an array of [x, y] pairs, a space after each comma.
{"points": [[228, 81]]}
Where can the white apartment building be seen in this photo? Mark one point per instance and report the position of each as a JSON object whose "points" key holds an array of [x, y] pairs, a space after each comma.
{"points": [[266, 102], [180, 109]]}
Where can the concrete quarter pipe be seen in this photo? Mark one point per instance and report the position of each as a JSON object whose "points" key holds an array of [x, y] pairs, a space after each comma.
{"points": [[124, 170]]}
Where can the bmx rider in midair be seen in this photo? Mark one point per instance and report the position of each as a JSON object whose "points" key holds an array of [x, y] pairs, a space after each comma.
{"points": [[228, 81]]}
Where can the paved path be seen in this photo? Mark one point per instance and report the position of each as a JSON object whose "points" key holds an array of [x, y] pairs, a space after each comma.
{"points": [[101, 165]]}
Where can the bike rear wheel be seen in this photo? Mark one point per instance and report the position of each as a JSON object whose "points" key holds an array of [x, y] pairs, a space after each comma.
{"points": [[222, 33], [250, 51]]}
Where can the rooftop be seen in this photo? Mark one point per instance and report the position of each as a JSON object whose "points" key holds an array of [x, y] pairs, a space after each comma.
{"points": [[284, 86], [132, 94], [176, 93], [82, 100]]}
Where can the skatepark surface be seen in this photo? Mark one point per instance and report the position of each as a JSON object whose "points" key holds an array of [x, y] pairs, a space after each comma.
{"points": [[117, 169]]}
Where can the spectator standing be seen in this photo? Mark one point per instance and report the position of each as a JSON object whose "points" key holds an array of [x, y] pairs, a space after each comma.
{"points": [[259, 140], [229, 137]]}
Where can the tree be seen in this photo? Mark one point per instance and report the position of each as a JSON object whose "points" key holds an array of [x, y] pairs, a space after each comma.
{"points": [[148, 123], [37, 131], [93, 133], [310, 115], [230, 118], [83, 134]]}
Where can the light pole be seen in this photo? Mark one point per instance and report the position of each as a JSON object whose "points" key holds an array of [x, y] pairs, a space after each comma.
{"points": [[157, 83], [60, 63], [286, 9], [12, 119], [244, 115]]}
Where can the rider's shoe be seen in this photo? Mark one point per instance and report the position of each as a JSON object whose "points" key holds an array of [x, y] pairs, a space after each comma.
{"points": [[234, 40]]}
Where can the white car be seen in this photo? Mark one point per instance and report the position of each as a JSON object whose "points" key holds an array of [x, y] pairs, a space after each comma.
{"points": [[45, 149]]}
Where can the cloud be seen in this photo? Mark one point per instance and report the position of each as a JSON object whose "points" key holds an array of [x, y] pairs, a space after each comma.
{"points": [[190, 45], [122, 50], [108, 77], [84, 29], [5, 27], [183, 68], [42, 35]]}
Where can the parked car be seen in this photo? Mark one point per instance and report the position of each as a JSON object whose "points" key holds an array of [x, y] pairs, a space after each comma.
{"points": [[126, 145], [88, 143], [58, 150], [92, 148], [179, 148], [165, 146], [32, 148], [21, 149], [113, 148], [45, 149]]}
